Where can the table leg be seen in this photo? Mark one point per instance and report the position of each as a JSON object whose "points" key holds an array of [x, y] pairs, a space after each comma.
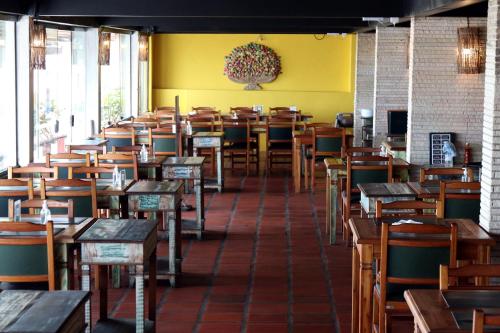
{"points": [[64, 260], [298, 167], [198, 189], [139, 299], [220, 164], [102, 276], [152, 287], [328, 204], [365, 288], [355, 291], [86, 287], [333, 205], [195, 151], [483, 257], [174, 244]]}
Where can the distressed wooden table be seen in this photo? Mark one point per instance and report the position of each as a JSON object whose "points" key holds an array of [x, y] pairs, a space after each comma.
{"points": [[165, 197], [212, 140], [473, 244], [385, 192], [449, 311], [29, 311], [189, 168], [153, 165], [334, 168], [121, 242]]}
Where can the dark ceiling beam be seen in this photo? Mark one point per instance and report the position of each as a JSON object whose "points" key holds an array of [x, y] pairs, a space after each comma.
{"points": [[434, 7], [15, 6], [219, 8]]}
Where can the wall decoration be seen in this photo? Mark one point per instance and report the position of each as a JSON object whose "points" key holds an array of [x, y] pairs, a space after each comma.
{"points": [[252, 64]]}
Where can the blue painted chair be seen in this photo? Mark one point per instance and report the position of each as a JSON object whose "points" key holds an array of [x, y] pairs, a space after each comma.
{"points": [[27, 253], [164, 142], [411, 255], [127, 162]]}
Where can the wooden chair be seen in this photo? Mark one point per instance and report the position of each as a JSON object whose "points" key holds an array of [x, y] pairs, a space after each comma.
{"points": [[456, 201], [165, 109], [38, 204], [93, 172], [65, 160], [130, 150], [480, 320], [412, 209], [118, 137], [279, 142], [14, 189], [166, 115], [409, 262], [164, 142], [207, 110], [283, 117], [361, 169], [27, 258], [327, 142], [429, 174], [33, 172], [82, 192], [451, 278], [122, 161], [204, 123], [237, 142]]}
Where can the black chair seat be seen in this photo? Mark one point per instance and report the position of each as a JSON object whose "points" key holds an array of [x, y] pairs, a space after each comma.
{"points": [[280, 146]]}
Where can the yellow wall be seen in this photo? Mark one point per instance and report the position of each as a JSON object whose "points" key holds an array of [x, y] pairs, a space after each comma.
{"points": [[317, 75]]}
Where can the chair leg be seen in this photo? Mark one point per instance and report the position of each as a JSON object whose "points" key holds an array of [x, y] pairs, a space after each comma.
{"points": [[313, 174], [381, 318], [213, 161], [375, 312], [306, 174]]}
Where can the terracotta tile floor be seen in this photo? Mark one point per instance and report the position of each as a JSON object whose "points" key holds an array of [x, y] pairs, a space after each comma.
{"points": [[264, 266]]}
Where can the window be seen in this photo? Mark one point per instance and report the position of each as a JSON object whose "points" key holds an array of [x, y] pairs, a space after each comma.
{"points": [[115, 81], [8, 89], [143, 86], [59, 93]]}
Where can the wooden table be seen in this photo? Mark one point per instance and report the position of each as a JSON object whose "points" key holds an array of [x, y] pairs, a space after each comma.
{"points": [[396, 149], [430, 190], [89, 145], [187, 168], [385, 192], [154, 166], [42, 311], [473, 244], [334, 168], [121, 242], [212, 140], [436, 311], [165, 197]]}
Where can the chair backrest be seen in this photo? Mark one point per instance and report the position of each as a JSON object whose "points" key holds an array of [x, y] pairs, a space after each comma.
{"points": [[123, 161], [430, 174], [482, 322], [25, 257], [15, 189], [328, 141], [279, 131], [453, 278], [405, 209], [236, 132], [362, 151], [164, 142], [164, 109], [207, 110], [202, 123], [33, 172], [93, 172], [129, 150], [166, 115], [82, 192], [311, 125], [241, 109], [38, 203], [283, 117], [457, 201], [367, 169], [65, 160], [118, 136], [411, 255], [244, 115]]}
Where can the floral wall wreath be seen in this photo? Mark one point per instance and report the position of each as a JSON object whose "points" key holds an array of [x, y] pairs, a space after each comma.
{"points": [[252, 64]]}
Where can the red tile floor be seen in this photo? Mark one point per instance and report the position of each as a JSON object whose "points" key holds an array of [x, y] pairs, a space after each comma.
{"points": [[264, 266]]}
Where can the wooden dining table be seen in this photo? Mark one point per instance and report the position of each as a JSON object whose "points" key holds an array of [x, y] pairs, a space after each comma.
{"points": [[449, 311], [385, 192], [430, 190], [473, 244]]}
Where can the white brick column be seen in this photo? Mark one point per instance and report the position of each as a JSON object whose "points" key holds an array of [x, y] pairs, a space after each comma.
{"points": [[363, 92], [440, 99], [391, 77], [490, 180]]}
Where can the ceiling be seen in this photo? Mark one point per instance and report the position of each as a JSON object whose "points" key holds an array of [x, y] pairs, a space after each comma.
{"points": [[237, 16]]}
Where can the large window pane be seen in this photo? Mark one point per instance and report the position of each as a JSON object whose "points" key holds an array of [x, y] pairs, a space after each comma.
{"points": [[59, 93], [8, 93], [143, 86], [115, 81]]}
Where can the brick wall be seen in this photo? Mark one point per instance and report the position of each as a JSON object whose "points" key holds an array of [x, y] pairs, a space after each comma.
{"points": [[440, 99], [490, 180], [391, 77], [363, 93]]}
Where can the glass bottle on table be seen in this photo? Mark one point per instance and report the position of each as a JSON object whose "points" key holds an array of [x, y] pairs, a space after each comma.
{"points": [[45, 215]]}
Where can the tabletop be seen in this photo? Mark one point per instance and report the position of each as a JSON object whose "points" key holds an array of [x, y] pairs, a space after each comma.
{"points": [[184, 161], [155, 187], [208, 134], [118, 231], [432, 312], [38, 311], [89, 142], [156, 161], [368, 230], [431, 189], [386, 190]]}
